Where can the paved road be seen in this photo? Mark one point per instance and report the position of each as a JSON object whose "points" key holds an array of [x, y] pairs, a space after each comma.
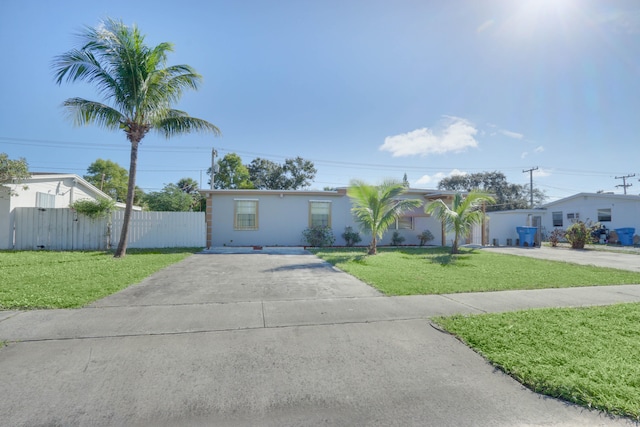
{"points": [[275, 338]]}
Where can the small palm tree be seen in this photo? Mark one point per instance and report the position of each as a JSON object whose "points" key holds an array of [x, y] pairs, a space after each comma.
{"points": [[138, 87], [463, 214], [377, 207]]}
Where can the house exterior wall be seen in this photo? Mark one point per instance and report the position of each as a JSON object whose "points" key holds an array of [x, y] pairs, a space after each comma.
{"points": [[64, 188], [625, 210], [504, 223], [6, 232], [283, 216]]}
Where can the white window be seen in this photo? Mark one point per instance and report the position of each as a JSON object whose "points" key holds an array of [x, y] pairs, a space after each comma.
{"points": [[573, 216], [557, 219], [319, 213], [245, 215], [45, 200], [404, 223], [604, 215]]}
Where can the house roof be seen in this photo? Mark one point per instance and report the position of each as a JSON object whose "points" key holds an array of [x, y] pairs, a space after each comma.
{"points": [[50, 176], [46, 176], [609, 196], [341, 191]]}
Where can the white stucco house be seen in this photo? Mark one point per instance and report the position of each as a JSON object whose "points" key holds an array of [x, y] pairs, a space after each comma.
{"points": [[41, 190], [610, 210], [278, 218]]}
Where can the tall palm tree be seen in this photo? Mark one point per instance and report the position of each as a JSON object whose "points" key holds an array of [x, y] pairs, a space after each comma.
{"points": [[462, 215], [377, 207], [137, 86]]}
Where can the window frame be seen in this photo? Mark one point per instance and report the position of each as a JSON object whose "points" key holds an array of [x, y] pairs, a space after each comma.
{"points": [[255, 213], [313, 203], [45, 200], [602, 214], [557, 217], [397, 223]]}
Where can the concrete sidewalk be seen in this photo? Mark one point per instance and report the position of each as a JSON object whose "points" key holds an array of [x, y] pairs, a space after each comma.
{"points": [[273, 338]]}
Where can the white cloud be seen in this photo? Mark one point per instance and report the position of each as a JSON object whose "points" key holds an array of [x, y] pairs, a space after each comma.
{"points": [[511, 134], [434, 179], [524, 154], [539, 149], [456, 135]]}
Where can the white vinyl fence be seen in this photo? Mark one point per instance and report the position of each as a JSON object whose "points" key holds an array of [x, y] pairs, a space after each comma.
{"points": [[65, 229]]}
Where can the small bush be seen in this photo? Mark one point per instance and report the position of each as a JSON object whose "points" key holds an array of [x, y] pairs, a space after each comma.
{"points": [[396, 239], [425, 237], [319, 236], [94, 209], [580, 233], [556, 235], [351, 237]]}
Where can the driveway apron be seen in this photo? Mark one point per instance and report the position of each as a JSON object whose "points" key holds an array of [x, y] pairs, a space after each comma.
{"points": [[274, 338]]}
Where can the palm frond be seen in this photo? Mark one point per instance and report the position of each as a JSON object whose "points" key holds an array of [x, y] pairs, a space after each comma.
{"points": [[85, 112], [177, 122]]}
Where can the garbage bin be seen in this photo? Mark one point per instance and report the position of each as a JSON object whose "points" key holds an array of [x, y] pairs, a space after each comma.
{"points": [[625, 235], [527, 235]]}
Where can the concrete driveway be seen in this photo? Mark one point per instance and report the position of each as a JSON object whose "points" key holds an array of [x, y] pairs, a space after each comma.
{"points": [[273, 338]]}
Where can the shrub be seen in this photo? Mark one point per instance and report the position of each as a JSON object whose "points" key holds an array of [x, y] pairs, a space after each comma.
{"points": [[94, 209], [580, 233], [396, 239], [556, 235], [319, 236], [425, 236], [351, 237]]}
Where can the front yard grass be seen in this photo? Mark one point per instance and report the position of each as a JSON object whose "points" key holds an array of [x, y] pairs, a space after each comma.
{"points": [[421, 271], [588, 356], [44, 279]]}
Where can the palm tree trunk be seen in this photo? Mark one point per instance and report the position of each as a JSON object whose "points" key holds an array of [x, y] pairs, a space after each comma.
{"points": [[131, 187], [373, 246]]}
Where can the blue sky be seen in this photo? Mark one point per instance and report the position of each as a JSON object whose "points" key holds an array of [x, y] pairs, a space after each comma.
{"points": [[365, 89]]}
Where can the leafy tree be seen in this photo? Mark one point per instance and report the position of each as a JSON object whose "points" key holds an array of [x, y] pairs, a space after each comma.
{"points": [[405, 180], [171, 199], [109, 177], [264, 174], [297, 173], [463, 214], [232, 174], [508, 196], [377, 207], [137, 85], [190, 186], [13, 171], [294, 174]]}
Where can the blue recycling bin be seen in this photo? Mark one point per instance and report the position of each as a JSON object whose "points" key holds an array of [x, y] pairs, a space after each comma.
{"points": [[527, 235], [625, 235]]}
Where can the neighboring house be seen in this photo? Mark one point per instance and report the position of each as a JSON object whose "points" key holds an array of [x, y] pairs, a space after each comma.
{"points": [[610, 210], [278, 218], [42, 190]]}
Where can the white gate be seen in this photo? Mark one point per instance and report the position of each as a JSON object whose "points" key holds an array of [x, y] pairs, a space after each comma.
{"points": [[58, 229]]}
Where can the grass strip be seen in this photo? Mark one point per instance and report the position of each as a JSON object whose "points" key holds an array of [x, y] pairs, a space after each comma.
{"points": [[45, 279], [587, 356], [421, 271]]}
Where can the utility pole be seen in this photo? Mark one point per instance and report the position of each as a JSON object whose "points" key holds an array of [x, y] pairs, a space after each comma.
{"points": [[530, 184], [213, 165], [624, 184]]}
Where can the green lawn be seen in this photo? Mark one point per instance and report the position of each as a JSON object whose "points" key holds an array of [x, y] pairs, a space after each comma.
{"points": [[588, 356], [418, 271], [43, 279]]}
